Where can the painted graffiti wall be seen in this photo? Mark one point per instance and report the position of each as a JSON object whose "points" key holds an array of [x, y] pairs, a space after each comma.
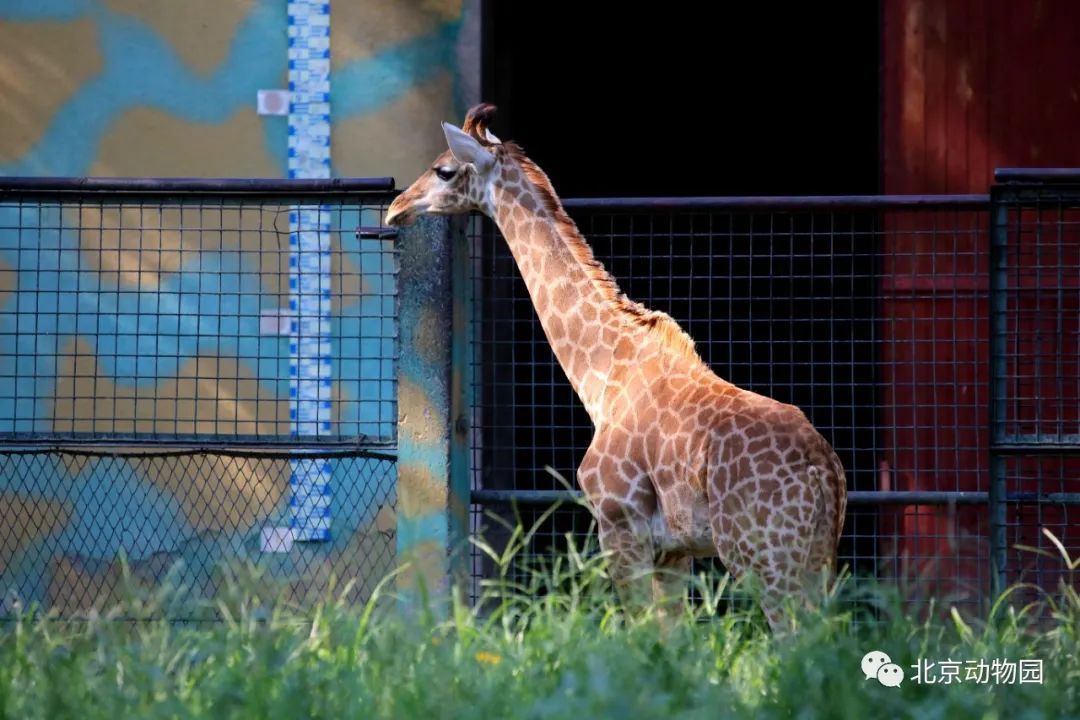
{"points": [[142, 319], [138, 87]]}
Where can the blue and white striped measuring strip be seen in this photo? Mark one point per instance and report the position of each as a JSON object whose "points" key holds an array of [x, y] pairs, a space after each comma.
{"points": [[310, 370]]}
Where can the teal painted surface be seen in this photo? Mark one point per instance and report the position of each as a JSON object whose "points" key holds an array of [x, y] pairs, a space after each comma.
{"points": [[424, 528], [366, 86], [112, 509]]}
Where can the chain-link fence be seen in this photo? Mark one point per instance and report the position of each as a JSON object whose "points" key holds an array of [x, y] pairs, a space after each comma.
{"points": [[870, 314], [194, 375], [185, 521]]}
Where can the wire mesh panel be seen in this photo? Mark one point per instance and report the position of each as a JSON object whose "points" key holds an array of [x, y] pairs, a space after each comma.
{"points": [[178, 318], [1038, 321], [1036, 376], [84, 531], [251, 324], [1041, 495], [870, 314]]}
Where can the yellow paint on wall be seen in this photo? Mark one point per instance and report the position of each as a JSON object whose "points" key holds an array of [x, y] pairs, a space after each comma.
{"points": [[148, 142], [428, 338], [75, 589], [367, 558], [208, 395], [218, 493], [415, 414], [422, 563], [200, 31], [420, 493], [41, 65], [347, 284], [77, 586], [25, 520], [399, 140], [134, 246], [361, 28], [8, 281]]}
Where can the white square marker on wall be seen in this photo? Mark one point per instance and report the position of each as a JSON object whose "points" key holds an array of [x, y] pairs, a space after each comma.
{"points": [[276, 540], [273, 102], [276, 321]]}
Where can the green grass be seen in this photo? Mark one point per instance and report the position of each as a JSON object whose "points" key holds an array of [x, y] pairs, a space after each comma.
{"points": [[570, 653]]}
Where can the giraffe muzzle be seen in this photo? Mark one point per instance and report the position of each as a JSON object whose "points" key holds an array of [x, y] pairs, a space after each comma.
{"points": [[399, 214]]}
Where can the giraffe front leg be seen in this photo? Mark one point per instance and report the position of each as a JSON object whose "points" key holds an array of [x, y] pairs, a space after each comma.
{"points": [[623, 527], [628, 544], [669, 584]]}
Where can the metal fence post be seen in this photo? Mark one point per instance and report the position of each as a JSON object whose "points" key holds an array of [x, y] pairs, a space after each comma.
{"points": [[430, 505], [462, 402], [998, 370]]}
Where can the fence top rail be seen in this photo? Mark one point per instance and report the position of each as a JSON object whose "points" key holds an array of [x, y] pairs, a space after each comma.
{"points": [[783, 202], [196, 186], [387, 185], [1037, 175]]}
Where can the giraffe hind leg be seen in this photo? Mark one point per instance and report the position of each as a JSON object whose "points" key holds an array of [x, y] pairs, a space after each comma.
{"points": [[756, 539]]}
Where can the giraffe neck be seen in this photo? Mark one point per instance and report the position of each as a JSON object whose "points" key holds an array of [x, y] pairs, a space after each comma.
{"points": [[579, 315]]}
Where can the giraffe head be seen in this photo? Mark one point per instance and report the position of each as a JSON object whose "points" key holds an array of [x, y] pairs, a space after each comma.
{"points": [[458, 181]]}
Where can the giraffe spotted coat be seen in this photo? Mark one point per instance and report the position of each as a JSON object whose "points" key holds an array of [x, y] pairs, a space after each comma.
{"points": [[682, 463]]}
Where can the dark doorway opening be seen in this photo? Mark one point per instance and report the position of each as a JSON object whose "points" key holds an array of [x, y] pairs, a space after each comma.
{"points": [[754, 99], [759, 99]]}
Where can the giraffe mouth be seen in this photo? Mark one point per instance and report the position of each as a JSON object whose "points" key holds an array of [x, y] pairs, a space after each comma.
{"points": [[399, 218], [403, 214], [396, 217]]}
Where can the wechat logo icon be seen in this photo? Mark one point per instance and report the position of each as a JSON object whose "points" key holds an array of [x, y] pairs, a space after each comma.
{"points": [[878, 665]]}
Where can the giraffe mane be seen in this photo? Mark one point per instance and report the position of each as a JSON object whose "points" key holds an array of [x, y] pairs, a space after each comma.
{"points": [[665, 328]]}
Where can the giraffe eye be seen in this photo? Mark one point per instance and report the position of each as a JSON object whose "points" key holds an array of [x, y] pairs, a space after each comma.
{"points": [[445, 174]]}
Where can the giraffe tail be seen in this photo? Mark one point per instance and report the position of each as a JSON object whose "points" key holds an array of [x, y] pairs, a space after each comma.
{"points": [[840, 489], [831, 483]]}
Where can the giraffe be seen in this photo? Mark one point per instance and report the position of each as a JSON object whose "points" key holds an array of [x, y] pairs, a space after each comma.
{"points": [[682, 463]]}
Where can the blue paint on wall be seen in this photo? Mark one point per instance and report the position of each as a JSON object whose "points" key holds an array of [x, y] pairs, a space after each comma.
{"points": [[27, 10]]}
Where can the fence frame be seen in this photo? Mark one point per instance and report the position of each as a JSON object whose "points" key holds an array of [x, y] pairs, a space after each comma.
{"points": [[435, 305], [995, 498], [1015, 188]]}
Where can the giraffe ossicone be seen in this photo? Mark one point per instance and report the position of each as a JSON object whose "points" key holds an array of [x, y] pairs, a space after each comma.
{"points": [[682, 463]]}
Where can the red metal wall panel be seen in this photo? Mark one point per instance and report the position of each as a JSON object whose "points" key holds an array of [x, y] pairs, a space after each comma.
{"points": [[967, 86], [970, 86]]}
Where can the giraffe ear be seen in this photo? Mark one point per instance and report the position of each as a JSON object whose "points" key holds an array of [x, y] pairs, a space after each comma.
{"points": [[466, 149]]}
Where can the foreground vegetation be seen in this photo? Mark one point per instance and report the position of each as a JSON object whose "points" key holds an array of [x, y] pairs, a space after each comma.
{"points": [[567, 654]]}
